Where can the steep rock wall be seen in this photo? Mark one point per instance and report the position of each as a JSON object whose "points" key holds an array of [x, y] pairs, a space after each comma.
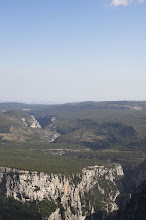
{"points": [[67, 192]]}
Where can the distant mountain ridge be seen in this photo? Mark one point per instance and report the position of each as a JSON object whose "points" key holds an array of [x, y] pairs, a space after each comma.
{"points": [[70, 107]]}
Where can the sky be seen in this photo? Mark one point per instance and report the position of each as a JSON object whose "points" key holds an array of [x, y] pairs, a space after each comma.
{"points": [[59, 51]]}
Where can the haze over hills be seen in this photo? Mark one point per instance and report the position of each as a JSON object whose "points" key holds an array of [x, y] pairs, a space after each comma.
{"points": [[74, 105], [92, 124]]}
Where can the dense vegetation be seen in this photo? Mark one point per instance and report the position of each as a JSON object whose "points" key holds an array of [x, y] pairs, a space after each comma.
{"points": [[89, 132], [11, 209]]}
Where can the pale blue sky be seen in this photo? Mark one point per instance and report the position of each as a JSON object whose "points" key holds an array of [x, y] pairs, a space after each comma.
{"points": [[72, 50]]}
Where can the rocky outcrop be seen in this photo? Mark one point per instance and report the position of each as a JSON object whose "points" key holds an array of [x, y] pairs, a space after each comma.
{"points": [[48, 133], [32, 122], [134, 178], [67, 192]]}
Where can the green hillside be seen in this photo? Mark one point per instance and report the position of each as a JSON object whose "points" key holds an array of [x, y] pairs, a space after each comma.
{"points": [[73, 135]]}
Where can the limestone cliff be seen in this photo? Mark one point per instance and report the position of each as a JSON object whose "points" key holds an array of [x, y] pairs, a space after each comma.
{"points": [[71, 193], [32, 122]]}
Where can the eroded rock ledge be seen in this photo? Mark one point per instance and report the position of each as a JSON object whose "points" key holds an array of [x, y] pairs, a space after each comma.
{"points": [[72, 193]]}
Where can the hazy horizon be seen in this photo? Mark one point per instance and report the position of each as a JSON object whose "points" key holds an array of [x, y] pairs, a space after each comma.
{"points": [[60, 103], [72, 51]]}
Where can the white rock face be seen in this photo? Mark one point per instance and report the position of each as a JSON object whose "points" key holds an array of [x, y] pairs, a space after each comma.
{"points": [[24, 122], [35, 123], [25, 185], [53, 119], [55, 215]]}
